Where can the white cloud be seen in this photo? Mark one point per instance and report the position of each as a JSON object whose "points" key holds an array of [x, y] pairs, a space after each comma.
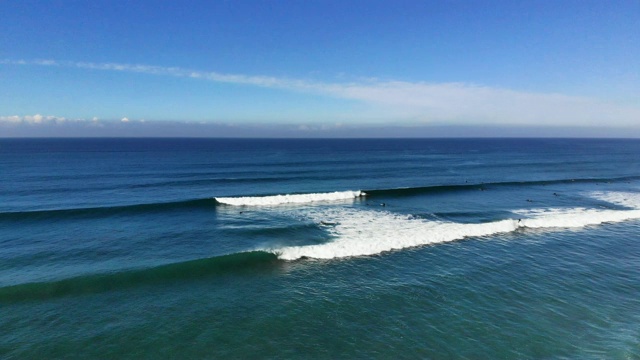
{"points": [[36, 119], [454, 103], [124, 120], [32, 119], [11, 119]]}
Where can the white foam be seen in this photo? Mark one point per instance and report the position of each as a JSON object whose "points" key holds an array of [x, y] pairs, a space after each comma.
{"points": [[289, 199], [365, 232], [573, 217], [630, 200], [358, 232]]}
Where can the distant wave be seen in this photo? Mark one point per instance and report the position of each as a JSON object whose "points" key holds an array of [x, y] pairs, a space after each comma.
{"points": [[220, 265], [289, 199], [358, 232]]}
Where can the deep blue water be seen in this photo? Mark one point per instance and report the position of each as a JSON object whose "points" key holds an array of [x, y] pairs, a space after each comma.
{"points": [[421, 248]]}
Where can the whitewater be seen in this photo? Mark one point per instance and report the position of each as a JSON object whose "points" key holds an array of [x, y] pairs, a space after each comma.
{"points": [[274, 200], [356, 232]]}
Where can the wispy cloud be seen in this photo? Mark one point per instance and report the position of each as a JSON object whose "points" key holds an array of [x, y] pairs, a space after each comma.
{"points": [[472, 104], [421, 102]]}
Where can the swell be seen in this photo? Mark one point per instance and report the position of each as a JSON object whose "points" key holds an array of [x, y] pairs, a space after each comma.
{"points": [[216, 266], [409, 191], [107, 210]]}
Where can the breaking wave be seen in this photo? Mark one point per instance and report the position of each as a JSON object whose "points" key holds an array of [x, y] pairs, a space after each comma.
{"points": [[357, 232], [289, 199]]}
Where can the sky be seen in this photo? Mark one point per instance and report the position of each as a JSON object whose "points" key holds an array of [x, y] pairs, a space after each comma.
{"points": [[320, 68]]}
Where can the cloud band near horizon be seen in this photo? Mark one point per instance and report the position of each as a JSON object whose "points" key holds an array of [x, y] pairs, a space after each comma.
{"points": [[415, 102]]}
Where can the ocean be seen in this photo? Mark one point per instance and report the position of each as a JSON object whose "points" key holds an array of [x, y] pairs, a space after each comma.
{"points": [[322, 249]]}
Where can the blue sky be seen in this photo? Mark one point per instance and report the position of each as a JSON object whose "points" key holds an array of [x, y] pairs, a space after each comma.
{"points": [[317, 68]]}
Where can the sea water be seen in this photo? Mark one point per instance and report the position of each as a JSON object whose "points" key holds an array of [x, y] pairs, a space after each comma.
{"points": [[378, 248]]}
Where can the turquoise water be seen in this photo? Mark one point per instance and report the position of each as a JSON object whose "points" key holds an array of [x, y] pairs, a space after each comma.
{"points": [[130, 248]]}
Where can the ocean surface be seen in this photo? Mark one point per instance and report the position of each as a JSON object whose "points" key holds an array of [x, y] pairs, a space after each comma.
{"points": [[324, 249]]}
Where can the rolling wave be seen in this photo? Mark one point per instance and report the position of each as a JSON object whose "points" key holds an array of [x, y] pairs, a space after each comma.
{"points": [[409, 191], [220, 265], [106, 210]]}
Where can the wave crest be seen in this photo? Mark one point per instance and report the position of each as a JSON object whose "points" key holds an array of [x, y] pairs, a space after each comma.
{"points": [[289, 198]]}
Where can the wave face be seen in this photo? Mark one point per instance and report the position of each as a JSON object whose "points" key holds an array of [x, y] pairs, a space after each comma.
{"points": [[449, 188], [219, 265], [97, 212], [358, 232], [289, 199]]}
